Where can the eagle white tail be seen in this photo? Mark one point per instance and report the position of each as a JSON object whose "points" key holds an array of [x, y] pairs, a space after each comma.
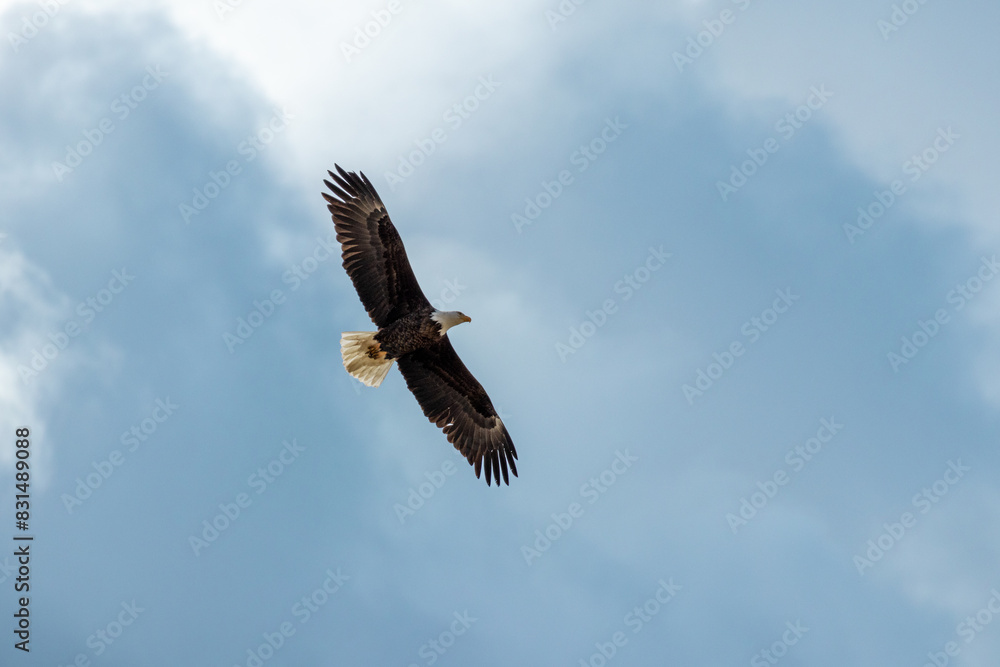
{"points": [[362, 357]]}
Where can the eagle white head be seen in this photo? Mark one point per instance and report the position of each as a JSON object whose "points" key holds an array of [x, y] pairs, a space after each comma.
{"points": [[449, 318]]}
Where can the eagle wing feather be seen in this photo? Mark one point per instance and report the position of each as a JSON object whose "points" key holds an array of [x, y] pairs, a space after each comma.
{"points": [[453, 399], [373, 253]]}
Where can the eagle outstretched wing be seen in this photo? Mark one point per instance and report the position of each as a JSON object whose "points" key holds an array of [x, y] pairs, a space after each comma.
{"points": [[454, 400], [373, 253]]}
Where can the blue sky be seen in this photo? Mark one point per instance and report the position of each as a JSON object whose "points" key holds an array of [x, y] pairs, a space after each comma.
{"points": [[754, 425]]}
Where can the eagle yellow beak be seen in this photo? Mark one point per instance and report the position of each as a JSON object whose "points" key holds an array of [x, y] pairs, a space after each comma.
{"points": [[465, 318]]}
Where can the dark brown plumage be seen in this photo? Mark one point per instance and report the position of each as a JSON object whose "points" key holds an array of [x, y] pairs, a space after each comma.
{"points": [[447, 392]]}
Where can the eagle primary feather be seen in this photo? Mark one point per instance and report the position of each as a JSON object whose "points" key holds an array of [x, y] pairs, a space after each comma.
{"points": [[411, 332]]}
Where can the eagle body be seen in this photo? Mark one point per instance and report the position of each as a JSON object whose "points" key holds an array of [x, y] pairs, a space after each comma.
{"points": [[410, 331]]}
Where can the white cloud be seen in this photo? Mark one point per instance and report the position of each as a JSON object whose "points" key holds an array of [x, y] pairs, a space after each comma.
{"points": [[31, 310]]}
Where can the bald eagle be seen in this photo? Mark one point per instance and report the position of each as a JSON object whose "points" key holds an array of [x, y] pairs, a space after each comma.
{"points": [[410, 330]]}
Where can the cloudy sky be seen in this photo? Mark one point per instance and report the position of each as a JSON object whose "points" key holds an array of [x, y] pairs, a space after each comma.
{"points": [[730, 267]]}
